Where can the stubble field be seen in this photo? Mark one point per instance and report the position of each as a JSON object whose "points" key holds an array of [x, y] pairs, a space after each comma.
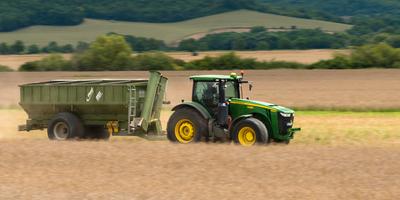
{"points": [[337, 155]]}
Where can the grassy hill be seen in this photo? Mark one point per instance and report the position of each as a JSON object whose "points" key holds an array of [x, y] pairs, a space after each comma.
{"points": [[169, 32]]}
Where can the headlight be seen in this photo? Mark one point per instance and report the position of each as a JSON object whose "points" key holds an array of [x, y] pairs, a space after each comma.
{"points": [[286, 114]]}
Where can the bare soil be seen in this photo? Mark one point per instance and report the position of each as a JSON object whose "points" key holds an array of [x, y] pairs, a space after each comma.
{"points": [[360, 89]]}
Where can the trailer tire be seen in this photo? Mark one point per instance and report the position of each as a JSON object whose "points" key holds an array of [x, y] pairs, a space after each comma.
{"points": [[65, 126], [96, 133], [186, 125], [250, 131]]}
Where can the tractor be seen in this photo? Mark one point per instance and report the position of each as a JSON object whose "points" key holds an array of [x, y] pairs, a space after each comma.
{"points": [[218, 112]]}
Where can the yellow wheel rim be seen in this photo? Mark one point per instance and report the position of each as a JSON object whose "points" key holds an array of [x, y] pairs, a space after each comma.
{"points": [[184, 131], [247, 136]]}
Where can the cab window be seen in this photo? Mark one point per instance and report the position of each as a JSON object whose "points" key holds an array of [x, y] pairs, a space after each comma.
{"points": [[206, 93]]}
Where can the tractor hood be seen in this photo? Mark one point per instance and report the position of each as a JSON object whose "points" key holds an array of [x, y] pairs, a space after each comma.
{"points": [[261, 104]]}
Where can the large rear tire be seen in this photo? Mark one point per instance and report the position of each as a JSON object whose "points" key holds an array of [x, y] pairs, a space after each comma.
{"points": [[65, 126], [186, 125], [250, 131]]}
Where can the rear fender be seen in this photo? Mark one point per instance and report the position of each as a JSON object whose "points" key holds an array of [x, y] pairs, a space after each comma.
{"points": [[198, 107]]}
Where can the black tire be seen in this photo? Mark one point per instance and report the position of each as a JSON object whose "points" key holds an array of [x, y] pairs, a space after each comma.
{"points": [[256, 126], [194, 118], [96, 133], [65, 126]]}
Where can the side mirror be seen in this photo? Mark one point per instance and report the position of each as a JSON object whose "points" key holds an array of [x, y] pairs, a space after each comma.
{"points": [[250, 86]]}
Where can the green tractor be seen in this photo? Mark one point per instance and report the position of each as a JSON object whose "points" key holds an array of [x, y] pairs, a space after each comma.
{"points": [[218, 112]]}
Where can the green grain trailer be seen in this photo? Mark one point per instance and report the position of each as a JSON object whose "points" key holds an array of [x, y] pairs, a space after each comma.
{"points": [[94, 108]]}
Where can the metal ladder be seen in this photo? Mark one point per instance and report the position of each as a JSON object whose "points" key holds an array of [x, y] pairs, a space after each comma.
{"points": [[131, 107]]}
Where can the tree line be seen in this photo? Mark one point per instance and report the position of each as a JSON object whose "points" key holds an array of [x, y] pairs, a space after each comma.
{"points": [[141, 44], [113, 53], [19, 47], [257, 39]]}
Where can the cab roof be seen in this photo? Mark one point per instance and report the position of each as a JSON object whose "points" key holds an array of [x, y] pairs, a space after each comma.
{"points": [[215, 77]]}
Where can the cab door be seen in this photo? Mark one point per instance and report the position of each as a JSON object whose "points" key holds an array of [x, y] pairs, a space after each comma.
{"points": [[206, 93]]}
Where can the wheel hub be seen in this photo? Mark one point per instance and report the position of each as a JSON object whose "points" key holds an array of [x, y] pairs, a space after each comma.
{"points": [[184, 131], [247, 136], [61, 131]]}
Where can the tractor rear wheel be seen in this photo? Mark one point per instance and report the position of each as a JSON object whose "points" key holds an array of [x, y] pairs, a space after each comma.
{"points": [[250, 131], [186, 125], [65, 126]]}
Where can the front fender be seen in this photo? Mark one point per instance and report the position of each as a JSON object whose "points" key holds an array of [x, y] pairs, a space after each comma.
{"points": [[203, 111]]}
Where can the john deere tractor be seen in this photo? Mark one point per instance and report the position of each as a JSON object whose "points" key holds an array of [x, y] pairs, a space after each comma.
{"points": [[218, 112]]}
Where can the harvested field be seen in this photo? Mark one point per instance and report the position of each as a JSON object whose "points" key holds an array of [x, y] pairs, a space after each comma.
{"points": [[317, 89], [337, 155], [36, 169], [318, 127], [301, 56]]}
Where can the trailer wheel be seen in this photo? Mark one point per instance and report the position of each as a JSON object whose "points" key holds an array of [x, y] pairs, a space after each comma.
{"points": [[96, 132], [186, 125], [250, 131], [65, 126]]}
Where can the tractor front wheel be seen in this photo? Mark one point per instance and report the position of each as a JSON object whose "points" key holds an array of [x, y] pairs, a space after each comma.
{"points": [[250, 131], [186, 125]]}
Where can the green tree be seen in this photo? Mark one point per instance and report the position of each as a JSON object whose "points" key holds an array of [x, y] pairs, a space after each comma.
{"points": [[33, 49], [68, 48], [4, 48], [380, 55], [154, 61], [53, 62], [52, 47], [18, 47], [238, 43], [81, 46], [5, 69], [188, 45], [106, 53], [257, 29], [394, 41], [263, 45]]}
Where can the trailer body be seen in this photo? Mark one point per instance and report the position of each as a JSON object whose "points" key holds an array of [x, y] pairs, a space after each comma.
{"points": [[123, 106]]}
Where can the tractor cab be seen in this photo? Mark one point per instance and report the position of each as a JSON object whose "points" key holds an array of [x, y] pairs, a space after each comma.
{"points": [[211, 90], [218, 112]]}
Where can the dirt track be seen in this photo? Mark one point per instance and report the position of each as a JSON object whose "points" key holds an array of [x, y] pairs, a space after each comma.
{"points": [[159, 170]]}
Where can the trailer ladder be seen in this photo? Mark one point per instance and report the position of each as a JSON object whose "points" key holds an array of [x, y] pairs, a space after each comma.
{"points": [[131, 107]]}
